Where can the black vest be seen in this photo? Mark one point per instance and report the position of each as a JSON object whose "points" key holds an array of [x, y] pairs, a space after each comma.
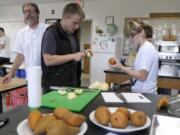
{"points": [[60, 75]]}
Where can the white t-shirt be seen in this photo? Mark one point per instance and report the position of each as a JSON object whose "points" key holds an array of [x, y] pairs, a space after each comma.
{"points": [[5, 52], [28, 43], [147, 59]]}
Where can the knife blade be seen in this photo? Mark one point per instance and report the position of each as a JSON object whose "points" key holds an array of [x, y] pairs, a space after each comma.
{"points": [[69, 89], [121, 97]]}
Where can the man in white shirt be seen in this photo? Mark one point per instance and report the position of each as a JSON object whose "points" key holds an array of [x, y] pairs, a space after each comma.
{"points": [[4, 47], [28, 40]]}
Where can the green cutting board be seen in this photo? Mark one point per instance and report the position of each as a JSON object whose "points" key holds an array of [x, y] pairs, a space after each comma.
{"points": [[54, 100]]}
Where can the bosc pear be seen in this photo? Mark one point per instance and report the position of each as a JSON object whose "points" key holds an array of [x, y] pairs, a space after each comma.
{"points": [[59, 127]]}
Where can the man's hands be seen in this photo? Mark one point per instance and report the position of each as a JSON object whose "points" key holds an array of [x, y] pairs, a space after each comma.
{"points": [[78, 56]]}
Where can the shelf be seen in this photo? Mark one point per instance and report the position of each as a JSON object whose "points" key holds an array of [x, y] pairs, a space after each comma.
{"points": [[159, 22], [168, 43]]}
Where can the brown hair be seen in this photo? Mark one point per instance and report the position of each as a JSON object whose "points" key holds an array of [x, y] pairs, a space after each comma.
{"points": [[72, 9], [137, 26], [34, 5], [148, 31], [2, 29]]}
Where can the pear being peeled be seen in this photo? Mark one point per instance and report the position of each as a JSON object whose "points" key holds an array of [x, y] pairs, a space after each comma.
{"points": [[88, 54]]}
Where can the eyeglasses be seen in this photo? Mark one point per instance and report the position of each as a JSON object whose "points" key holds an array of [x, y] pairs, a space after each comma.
{"points": [[133, 34]]}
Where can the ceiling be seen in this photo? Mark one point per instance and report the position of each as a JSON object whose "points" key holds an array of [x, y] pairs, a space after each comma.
{"points": [[4, 3]]}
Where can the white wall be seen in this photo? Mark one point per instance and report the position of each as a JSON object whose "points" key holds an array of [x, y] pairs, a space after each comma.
{"points": [[96, 11]]}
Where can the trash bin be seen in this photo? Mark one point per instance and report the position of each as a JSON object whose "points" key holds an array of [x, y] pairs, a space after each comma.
{"points": [[21, 73]]}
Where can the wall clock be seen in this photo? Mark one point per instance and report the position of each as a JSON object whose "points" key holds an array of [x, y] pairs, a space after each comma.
{"points": [[109, 20]]}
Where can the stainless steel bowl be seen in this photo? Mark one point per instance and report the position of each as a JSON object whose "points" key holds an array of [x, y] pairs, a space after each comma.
{"points": [[174, 105]]}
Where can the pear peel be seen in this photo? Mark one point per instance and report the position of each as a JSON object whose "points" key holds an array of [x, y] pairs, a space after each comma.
{"points": [[162, 102]]}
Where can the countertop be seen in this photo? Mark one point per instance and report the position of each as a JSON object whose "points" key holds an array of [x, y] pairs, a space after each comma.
{"points": [[118, 71], [21, 113]]}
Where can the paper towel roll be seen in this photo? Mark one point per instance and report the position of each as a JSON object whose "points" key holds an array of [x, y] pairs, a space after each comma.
{"points": [[34, 86]]}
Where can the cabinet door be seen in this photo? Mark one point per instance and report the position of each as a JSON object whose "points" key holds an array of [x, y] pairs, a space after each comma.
{"points": [[86, 60]]}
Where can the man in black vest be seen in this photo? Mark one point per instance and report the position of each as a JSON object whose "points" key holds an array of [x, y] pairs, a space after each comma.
{"points": [[61, 54]]}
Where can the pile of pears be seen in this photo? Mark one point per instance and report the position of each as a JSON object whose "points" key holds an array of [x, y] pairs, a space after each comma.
{"points": [[60, 122], [120, 118]]}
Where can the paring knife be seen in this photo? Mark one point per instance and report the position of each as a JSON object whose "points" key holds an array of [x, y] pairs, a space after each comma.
{"points": [[62, 88], [120, 96], [72, 89]]}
